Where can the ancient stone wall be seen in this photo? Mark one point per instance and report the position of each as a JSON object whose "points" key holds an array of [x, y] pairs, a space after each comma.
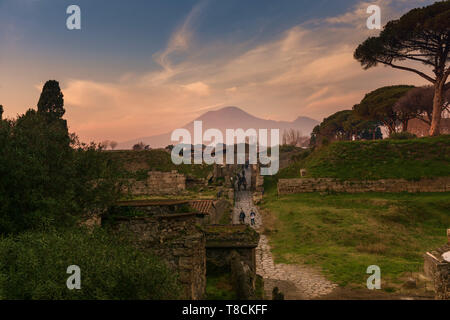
{"points": [[438, 269], [222, 240], [289, 186], [243, 277], [159, 183], [176, 239]]}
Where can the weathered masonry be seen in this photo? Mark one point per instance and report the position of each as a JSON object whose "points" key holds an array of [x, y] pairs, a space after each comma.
{"points": [[159, 183], [176, 239], [290, 186], [437, 267], [178, 231], [231, 248]]}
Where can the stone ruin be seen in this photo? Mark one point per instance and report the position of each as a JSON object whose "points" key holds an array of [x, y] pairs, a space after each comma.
{"points": [[158, 183], [190, 244], [437, 267], [232, 248], [302, 185]]}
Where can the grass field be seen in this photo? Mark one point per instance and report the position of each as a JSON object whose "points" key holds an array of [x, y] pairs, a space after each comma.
{"points": [[345, 233], [380, 159]]}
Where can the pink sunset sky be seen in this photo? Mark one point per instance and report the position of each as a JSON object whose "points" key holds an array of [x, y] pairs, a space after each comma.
{"points": [[302, 68]]}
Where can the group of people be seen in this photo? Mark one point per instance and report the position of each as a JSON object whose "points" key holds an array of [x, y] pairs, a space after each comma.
{"points": [[242, 217]]}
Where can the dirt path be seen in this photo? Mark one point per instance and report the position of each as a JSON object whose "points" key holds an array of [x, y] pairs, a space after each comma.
{"points": [[295, 281]]}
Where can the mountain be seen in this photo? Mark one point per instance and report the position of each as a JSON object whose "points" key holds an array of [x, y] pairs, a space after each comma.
{"points": [[228, 118]]}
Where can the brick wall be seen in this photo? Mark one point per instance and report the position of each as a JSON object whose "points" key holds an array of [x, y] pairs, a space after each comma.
{"points": [[289, 186]]}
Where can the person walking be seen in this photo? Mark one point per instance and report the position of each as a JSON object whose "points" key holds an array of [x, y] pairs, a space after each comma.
{"points": [[242, 216], [244, 183], [252, 217]]}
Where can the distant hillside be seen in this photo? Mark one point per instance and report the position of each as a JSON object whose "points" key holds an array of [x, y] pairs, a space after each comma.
{"points": [[228, 118], [380, 159]]}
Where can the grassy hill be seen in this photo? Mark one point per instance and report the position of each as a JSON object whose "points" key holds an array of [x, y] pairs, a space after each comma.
{"points": [[381, 159], [344, 233]]}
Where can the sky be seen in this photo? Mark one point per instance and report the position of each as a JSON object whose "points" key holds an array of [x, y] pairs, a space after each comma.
{"points": [[145, 67]]}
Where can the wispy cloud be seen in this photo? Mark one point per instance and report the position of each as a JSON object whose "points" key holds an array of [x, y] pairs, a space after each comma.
{"points": [[307, 70]]}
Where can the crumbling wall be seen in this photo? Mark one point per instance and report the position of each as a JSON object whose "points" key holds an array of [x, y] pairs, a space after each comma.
{"points": [[223, 240], [243, 277], [290, 186], [438, 269], [176, 239], [159, 183]]}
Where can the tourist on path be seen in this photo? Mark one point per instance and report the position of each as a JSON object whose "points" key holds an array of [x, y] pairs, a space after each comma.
{"points": [[242, 216], [244, 183], [252, 217]]}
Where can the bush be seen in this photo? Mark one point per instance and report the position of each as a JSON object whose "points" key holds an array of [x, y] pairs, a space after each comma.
{"points": [[33, 266], [402, 136], [48, 178]]}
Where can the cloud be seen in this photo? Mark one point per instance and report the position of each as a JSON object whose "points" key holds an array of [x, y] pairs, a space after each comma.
{"points": [[198, 87], [307, 70], [180, 40]]}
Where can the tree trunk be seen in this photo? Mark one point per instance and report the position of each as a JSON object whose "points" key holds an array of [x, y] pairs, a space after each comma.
{"points": [[437, 107], [405, 125]]}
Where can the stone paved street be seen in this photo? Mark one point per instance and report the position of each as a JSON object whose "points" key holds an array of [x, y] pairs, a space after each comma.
{"points": [[295, 281]]}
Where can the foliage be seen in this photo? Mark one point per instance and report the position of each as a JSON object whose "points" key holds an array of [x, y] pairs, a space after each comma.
{"points": [[51, 101], [33, 266], [379, 104], [141, 146], [344, 125], [218, 287], [402, 136], [295, 138], [421, 35], [418, 103], [49, 177]]}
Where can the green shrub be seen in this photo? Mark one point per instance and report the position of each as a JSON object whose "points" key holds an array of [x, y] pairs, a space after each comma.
{"points": [[48, 178], [402, 136], [33, 265]]}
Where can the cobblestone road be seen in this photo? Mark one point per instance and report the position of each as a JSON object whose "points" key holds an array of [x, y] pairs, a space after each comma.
{"points": [[295, 281]]}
